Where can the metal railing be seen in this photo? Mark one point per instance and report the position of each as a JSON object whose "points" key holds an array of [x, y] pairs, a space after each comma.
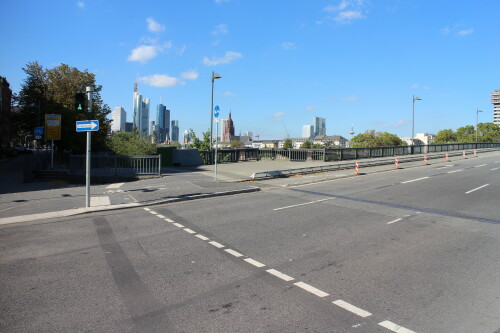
{"points": [[117, 166]]}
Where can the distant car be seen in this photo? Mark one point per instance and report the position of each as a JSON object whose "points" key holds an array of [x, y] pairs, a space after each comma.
{"points": [[21, 150]]}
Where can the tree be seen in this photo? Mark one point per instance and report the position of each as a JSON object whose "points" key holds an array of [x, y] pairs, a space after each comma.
{"points": [[445, 136], [488, 132], [376, 139], [197, 143], [236, 144], [288, 143], [306, 145], [466, 134], [129, 144]]}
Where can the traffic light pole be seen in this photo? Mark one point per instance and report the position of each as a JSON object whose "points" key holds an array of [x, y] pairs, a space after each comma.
{"points": [[90, 90]]}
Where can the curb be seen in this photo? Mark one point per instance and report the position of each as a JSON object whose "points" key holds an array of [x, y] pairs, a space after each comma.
{"points": [[80, 211]]}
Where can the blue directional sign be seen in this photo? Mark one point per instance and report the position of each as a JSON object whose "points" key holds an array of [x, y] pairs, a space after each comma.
{"points": [[216, 113], [38, 131], [87, 125]]}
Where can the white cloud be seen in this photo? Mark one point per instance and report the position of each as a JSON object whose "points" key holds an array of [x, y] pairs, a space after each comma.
{"points": [[159, 80], [348, 16], [228, 57], [456, 30], [220, 29], [181, 50], [80, 4], [465, 32], [154, 26], [143, 53], [395, 125], [445, 31], [347, 11], [418, 86], [311, 108], [228, 94], [288, 46], [190, 75], [352, 98], [277, 116], [221, 1]]}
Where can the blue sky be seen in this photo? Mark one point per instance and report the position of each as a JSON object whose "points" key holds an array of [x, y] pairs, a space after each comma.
{"points": [[282, 62]]}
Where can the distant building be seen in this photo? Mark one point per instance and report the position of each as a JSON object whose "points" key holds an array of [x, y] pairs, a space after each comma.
{"points": [[175, 130], [307, 131], [141, 113], [319, 125], [162, 123], [129, 127], [337, 140], [152, 129], [119, 118], [227, 129], [249, 134], [425, 138], [495, 100], [186, 137]]}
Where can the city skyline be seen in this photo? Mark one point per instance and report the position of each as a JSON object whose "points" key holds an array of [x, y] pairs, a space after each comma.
{"points": [[355, 63]]}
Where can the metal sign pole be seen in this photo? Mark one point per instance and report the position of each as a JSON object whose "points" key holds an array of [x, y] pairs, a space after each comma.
{"points": [[216, 144], [87, 176], [52, 154]]}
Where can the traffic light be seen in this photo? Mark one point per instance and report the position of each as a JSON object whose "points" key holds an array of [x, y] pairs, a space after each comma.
{"points": [[80, 102]]}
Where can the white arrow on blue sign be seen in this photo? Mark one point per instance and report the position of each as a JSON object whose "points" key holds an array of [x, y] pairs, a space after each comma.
{"points": [[87, 125]]}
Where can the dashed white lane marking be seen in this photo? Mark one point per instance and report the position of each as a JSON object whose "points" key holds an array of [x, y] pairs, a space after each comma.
{"points": [[234, 253], [311, 289], [303, 204], [352, 308], [216, 244], [396, 220], [147, 209], [394, 327], [116, 185], [455, 171], [153, 212], [254, 262], [161, 216], [414, 180], [178, 225], [99, 201], [201, 237], [478, 188], [494, 169], [169, 220], [482, 165], [189, 231], [280, 275]]}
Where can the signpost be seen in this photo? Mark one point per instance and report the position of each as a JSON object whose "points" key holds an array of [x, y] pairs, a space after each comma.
{"points": [[87, 125], [52, 132], [216, 115], [38, 132]]}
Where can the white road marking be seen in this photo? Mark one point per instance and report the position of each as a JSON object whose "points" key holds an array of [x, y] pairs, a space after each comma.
{"points": [[482, 165], [280, 275], [189, 231], [478, 188], [414, 180], [396, 220], [178, 225], [217, 245], [234, 253], [352, 308], [494, 169], [116, 185], [201, 237], [254, 262], [455, 171], [147, 209], [99, 201], [303, 204], [161, 216], [153, 212], [169, 220], [394, 327], [311, 289]]}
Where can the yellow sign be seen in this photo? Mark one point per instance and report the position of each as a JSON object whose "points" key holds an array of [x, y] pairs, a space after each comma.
{"points": [[52, 127]]}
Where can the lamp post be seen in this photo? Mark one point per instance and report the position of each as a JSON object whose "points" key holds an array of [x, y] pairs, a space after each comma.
{"points": [[477, 118], [214, 77], [413, 118]]}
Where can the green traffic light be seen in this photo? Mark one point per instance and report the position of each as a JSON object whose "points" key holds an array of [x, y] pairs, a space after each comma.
{"points": [[79, 107]]}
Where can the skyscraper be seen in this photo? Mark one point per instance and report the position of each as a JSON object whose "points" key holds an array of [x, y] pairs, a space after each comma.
{"points": [[141, 113], [307, 131], [319, 126], [119, 117], [162, 123], [495, 100], [175, 130]]}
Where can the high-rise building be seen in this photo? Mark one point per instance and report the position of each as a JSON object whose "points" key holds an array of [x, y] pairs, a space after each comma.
{"points": [[162, 123], [119, 117], [141, 113], [495, 100], [227, 129], [187, 139], [307, 131], [319, 126], [152, 129], [175, 130], [129, 127]]}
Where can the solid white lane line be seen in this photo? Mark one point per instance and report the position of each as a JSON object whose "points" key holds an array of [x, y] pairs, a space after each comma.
{"points": [[161, 216], [352, 308], [414, 180], [189, 231], [234, 253], [254, 262], [178, 225], [303, 204], [480, 187], [455, 171], [494, 169], [482, 165], [396, 220], [217, 245], [147, 209], [280, 275], [202, 237], [394, 327], [169, 220], [311, 289], [116, 185]]}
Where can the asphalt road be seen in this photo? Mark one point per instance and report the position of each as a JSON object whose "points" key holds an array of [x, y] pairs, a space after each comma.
{"points": [[401, 251]]}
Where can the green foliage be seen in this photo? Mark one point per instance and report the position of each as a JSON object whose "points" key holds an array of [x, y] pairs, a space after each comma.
{"points": [[445, 136], [466, 134], [129, 144], [487, 132], [288, 143], [197, 143], [306, 145], [376, 139], [236, 144]]}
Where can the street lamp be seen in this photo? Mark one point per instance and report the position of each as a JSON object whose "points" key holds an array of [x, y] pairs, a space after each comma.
{"points": [[214, 77], [477, 118], [413, 118]]}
